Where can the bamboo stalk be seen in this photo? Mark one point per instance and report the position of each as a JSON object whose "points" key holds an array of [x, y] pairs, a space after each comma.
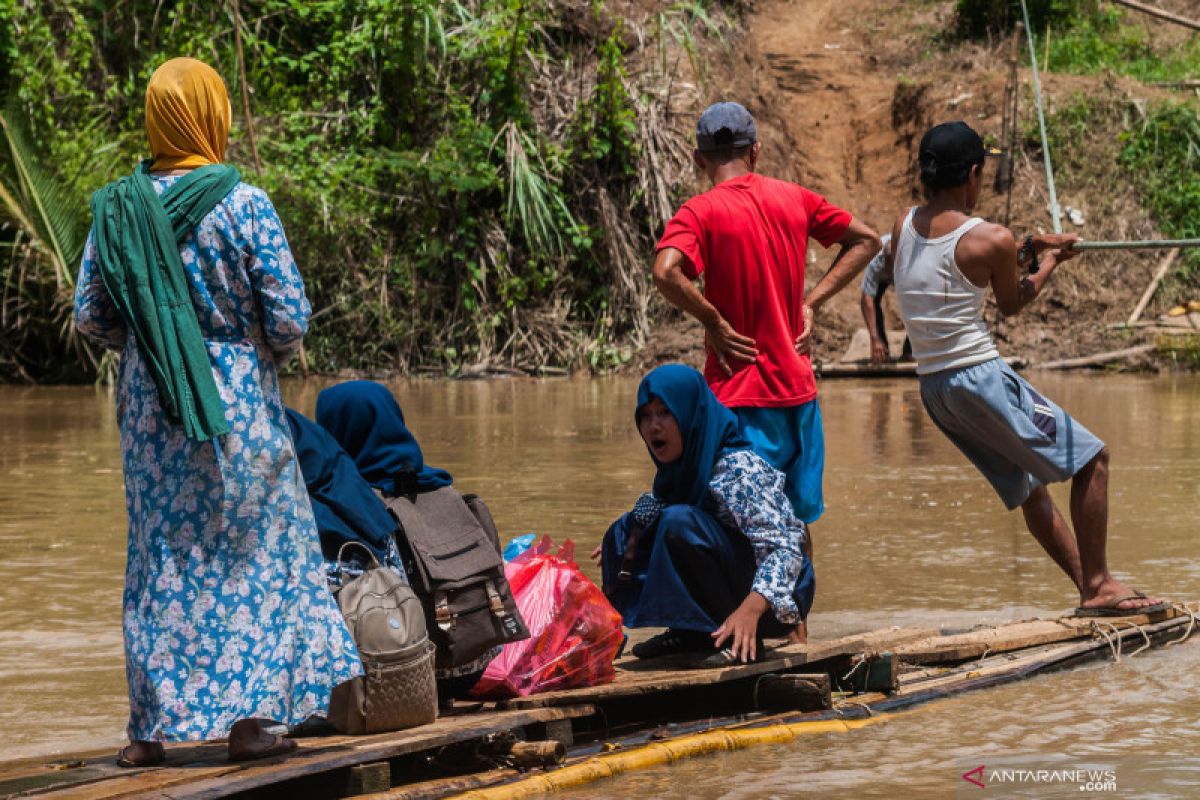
{"points": [[1158, 12], [237, 39], [1096, 360], [1149, 293]]}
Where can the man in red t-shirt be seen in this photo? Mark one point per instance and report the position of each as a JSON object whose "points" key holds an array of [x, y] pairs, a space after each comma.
{"points": [[748, 236]]}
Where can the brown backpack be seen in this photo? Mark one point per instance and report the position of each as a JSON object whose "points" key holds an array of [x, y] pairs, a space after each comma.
{"points": [[452, 554], [397, 689]]}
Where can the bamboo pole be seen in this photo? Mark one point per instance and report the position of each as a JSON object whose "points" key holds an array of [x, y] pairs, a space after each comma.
{"points": [[1161, 14], [1149, 293], [1012, 118], [1055, 211], [1137, 244]]}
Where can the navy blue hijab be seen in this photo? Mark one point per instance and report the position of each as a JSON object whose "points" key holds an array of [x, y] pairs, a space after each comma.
{"points": [[366, 420], [708, 429], [344, 505]]}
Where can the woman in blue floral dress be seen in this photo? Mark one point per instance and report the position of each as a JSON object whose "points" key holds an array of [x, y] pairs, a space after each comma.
{"points": [[715, 553], [227, 616]]}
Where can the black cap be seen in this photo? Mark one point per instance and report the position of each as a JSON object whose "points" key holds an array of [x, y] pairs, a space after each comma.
{"points": [[723, 126], [950, 146]]}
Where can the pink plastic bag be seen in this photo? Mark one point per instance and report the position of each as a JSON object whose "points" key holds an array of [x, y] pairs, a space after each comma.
{"points": [[574, 632]]}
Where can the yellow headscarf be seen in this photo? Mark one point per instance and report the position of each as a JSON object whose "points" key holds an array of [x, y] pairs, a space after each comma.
{"points": [[187, 115]]}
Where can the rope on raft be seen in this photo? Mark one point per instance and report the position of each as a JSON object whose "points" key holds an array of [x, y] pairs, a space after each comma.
{"points": [[1191, 623]]}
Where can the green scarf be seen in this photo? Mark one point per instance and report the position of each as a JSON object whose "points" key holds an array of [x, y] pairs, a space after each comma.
{"points": [[137, 234]]}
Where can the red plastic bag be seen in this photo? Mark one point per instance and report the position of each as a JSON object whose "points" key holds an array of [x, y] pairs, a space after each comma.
{"points": [[574, 632]]}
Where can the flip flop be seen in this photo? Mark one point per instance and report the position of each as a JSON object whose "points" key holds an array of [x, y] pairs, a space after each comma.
{"points": [[281, 746], [1112, 610], [160, 755]]}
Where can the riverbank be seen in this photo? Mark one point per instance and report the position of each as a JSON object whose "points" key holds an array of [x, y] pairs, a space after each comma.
{"points": [[841, 93]]}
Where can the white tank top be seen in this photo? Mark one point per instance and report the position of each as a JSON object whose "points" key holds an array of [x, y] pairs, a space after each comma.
{"points": [[942, 310]]}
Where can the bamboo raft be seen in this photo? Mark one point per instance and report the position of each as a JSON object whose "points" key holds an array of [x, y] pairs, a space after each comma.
{"points": [[653, 712]]}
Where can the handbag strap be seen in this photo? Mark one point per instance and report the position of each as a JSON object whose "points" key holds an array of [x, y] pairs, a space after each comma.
{"points": [[373, 564]]}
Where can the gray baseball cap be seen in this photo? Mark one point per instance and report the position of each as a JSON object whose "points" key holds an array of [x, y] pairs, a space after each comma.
{"points": [[725, 125]]}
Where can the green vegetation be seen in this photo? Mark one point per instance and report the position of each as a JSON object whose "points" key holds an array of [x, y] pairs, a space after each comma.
{"points": [[1086, 36], [1157, 153], [1159, 150], [462, 181], [1162, 153], [1116, 40], [979, 18]]}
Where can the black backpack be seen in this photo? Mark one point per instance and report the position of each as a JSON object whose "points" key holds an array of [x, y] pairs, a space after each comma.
{"points": [[451, 551]]}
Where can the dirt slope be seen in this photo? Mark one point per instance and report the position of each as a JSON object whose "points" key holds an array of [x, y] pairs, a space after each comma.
{"points": [[843, 89]]}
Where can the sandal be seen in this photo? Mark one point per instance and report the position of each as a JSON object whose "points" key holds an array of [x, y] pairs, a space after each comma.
{"points": [[279, 746], [1112, 610], [125, 758]]}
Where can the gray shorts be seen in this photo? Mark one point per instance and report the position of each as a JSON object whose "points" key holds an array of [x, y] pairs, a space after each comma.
{"points": [[1017, 438]]}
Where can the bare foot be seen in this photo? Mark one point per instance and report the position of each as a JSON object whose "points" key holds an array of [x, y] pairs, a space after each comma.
{"points": [[798, 634], [141, 754], [248, 740]]}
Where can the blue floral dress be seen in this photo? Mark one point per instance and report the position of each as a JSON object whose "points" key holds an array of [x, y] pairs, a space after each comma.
{"points": [[226, 611]]}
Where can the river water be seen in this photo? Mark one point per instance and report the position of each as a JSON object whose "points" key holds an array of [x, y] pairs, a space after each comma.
{"points": [[911, 535]]}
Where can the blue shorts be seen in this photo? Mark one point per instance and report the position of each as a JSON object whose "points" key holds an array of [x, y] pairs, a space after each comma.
{"points": [[790, 439], [1017, 438]]}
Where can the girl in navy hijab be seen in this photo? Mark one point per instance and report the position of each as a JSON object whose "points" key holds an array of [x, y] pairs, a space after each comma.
{"points": [[345, 507], [715, 553], [368, 423]]}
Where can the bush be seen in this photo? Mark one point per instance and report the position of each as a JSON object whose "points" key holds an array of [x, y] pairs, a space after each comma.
{"points": [[444, 168], [1162, 154], [980, 18]]}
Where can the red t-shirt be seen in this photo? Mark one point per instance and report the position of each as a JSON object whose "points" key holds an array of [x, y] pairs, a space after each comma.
{"points": [[749, 236]]}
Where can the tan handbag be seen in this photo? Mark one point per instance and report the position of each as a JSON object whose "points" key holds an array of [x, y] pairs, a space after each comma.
{"points": [[397, 689]]}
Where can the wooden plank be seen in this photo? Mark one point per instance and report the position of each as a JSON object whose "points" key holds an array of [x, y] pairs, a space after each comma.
{"points": [[1020, 664], [891, 369], [866, 370], [651, 676], [368, 778], [209, 776], [1160, 13], [810, 692], [1096, 360], [1014, 636]]}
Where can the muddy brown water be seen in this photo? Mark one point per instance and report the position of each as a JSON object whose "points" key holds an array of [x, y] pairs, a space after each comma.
{"points": [[911, 536]]}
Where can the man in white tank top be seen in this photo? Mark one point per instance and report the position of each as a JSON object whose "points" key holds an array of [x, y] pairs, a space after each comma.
{"points": [[945, 260]]}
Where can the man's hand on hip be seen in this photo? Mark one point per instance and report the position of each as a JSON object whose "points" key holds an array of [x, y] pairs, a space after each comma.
{"points": [[804, 340], [726, 344]]}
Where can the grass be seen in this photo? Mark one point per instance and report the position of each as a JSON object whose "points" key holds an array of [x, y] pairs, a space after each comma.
{"points": [[1109, 39]]}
